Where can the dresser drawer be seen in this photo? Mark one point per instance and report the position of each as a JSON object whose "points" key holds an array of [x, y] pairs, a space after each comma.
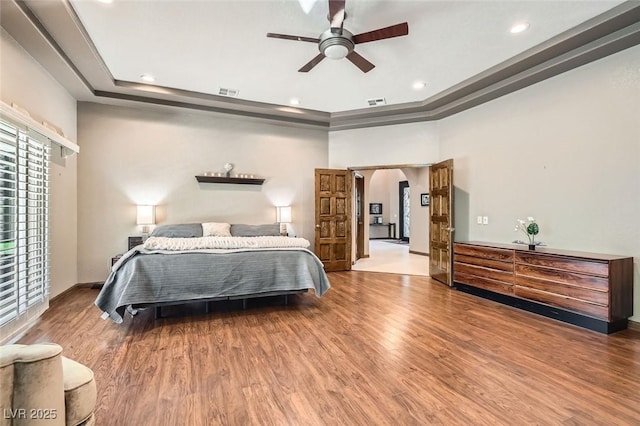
{"points": [[484, 283], [592, 267], [581, 293], [564, 277], [483, 252], [481, 261], [592, 310], [495, 274]]}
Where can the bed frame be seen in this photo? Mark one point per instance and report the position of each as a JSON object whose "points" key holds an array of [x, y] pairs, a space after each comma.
{"points": [[208, 303]]}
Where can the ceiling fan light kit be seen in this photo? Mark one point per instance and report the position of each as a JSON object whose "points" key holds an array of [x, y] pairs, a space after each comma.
{"points": [[338, 43], [336, 46]]}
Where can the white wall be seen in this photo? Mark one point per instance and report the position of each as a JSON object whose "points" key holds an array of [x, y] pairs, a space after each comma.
{"points": [[414, 143], [29, 85], [135, 156], [565, 151]]}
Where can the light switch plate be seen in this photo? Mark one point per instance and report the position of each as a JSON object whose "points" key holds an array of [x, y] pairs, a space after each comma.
{"points": [[485, 220], [479, 220]]}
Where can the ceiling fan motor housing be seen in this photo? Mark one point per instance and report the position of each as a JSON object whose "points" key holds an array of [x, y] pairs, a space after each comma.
{"points": [[336, 46]]}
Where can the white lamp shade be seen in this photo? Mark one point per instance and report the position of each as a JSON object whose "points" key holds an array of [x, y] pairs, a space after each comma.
{"points": [[146, 215], [283, 214]]}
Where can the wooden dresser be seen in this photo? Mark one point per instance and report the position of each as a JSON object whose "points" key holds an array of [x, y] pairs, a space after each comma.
{"points": [[586, 289]]}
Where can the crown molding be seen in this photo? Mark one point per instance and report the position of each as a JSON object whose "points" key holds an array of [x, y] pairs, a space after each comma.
{"points": [[52, 32]]}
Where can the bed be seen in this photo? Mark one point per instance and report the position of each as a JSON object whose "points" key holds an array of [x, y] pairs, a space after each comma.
{"points": [[197, 262]]}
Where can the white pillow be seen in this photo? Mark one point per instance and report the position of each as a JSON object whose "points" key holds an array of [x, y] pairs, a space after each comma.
{"points": [[214, 229]]}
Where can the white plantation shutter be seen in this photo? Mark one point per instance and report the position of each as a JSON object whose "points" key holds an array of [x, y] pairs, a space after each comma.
{"points": [[24, 229]]}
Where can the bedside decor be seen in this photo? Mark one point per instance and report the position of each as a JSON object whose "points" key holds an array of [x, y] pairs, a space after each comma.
{"points": [[146, 216], [424, 199], [530, 228], [283, 217]]}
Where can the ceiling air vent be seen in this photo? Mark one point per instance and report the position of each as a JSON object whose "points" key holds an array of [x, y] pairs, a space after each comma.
{"points": [[228, 92], [377, 101]]}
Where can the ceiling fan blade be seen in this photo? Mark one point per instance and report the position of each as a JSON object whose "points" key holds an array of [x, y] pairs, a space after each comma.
{"points": [[336, 13], [295, 38], [360, 62], [388, 32], [312, 63]]}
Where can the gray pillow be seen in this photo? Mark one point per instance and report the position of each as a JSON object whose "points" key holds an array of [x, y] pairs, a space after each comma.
{"points": [[241, 230], [180, 230]]}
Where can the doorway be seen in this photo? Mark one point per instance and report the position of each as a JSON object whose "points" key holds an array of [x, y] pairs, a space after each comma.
{"points": [[383, 249]]}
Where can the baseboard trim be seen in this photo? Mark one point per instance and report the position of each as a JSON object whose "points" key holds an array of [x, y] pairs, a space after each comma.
{"points": [[88, 285], [633, 325], [421, 253], [93, 285]]}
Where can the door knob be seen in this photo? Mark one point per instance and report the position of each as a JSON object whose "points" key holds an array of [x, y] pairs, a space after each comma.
{"points": [[317, 226]]}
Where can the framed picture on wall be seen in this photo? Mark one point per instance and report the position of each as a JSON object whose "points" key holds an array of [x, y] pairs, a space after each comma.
{"points": [[375, 208], [424, 199]]}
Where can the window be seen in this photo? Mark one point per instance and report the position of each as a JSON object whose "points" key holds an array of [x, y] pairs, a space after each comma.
{"points": [[24, 241]]}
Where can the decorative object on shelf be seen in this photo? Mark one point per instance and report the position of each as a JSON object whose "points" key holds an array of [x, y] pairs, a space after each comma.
{"points": [[283, 216], [146, 216], [228, 167], [424, 199], [530, 228], [375, 208], [378, 220]]}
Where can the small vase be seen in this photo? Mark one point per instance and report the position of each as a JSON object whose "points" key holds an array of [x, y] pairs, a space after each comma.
{"points": [[532, 246]]}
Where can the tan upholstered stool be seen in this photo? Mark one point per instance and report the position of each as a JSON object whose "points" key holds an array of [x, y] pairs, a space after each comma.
{"points": [[40, 386]]}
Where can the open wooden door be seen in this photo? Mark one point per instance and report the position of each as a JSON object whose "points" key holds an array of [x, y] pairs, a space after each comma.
{"points": [[441, 222], [333, 219]]}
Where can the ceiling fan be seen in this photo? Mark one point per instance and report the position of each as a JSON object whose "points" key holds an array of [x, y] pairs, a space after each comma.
{"points": [[338, 43]]}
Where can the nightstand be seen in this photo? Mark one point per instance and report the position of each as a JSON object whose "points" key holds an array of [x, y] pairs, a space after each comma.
{"points": [[134, 241]]}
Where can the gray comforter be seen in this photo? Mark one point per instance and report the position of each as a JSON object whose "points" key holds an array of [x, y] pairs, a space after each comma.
{"points": [[149, 278]]}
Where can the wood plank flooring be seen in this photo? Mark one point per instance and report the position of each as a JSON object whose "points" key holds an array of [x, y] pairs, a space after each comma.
{"points": [[376, 349]]}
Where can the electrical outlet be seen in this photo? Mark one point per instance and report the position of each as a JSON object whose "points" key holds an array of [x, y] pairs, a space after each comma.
{"points": [[479, 220], [485, 220]]}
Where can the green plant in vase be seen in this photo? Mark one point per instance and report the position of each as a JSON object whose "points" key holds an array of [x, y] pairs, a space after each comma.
{"points": [[530, 228]]}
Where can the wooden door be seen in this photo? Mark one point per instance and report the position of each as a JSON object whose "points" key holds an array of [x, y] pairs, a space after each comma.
{"points": [[441, 222], [359, 217], [333, 219]]}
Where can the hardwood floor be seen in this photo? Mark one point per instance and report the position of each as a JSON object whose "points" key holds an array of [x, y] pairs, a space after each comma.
{"points": [[376, 349]]}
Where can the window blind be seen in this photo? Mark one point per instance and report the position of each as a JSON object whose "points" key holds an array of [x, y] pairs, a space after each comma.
{"points": [[24, 229]]}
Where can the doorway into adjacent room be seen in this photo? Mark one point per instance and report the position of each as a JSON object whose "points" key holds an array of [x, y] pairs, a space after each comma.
{"points": [[386, 218]]}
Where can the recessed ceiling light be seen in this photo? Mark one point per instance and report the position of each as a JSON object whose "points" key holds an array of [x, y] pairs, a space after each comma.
{"points": [[106, 1], [519, 27], [294, 101], [148, 78], [419, 85]]}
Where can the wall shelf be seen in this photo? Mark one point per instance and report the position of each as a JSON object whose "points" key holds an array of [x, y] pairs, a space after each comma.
{"points": [[234, 180]]}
